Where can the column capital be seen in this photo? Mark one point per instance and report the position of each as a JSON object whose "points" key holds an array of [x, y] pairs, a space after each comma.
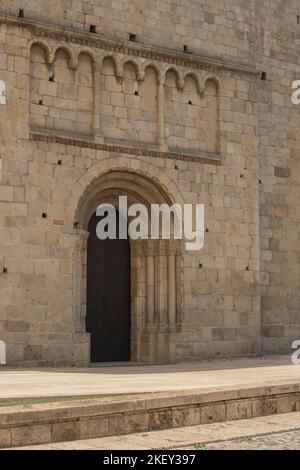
{"points": [[150, 247], [175, 247], [81, 239], [161, 80]]}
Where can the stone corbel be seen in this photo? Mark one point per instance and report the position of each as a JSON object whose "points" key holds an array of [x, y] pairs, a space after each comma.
{"points": [[119, 74], [180, 83], [140, 76]]}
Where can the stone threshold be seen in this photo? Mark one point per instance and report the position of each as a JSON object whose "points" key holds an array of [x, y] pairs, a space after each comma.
{"points": [[69, 421]]}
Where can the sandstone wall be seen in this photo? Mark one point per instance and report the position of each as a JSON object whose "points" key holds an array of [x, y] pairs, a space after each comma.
{"points": [[208, 26], [279, 152], [72, 111]]}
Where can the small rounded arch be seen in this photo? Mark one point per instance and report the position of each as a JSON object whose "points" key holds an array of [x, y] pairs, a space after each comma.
{"points": [[72, 59], [149, 64], [178, 73], [138, 67], [213, 78], [43, 45], [196, 79], [116, 60], [89, 53]]}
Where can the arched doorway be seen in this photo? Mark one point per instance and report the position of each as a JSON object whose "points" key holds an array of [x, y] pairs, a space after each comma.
{"points": [[108, 315], [156, 268]]}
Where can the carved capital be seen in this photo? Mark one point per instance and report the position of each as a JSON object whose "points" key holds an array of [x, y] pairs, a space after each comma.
{"points": [[150, 247], [174, 247], [140, 76], [81, 240], [161, 80], [181, 84]]}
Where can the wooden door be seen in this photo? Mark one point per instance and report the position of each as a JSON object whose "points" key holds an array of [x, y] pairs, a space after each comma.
{"points": [[108, 318]]}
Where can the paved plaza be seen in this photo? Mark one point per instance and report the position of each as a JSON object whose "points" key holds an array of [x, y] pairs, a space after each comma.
{"points": [[127, 379]]}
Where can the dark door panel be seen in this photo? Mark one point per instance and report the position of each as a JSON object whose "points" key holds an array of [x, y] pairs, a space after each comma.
{"points": [[108, 297]]}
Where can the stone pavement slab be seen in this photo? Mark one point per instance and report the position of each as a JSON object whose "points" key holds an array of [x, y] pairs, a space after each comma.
{"points": [[276, 430], [279, 441], [110, 380]]}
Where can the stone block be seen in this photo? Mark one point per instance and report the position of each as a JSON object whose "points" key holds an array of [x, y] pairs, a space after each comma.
{"points": [[116, 425], [17, 326], [5, 438], [30, 435], [213, 413], [32, 353], [65, 431], [264, 407], [48, 88], [238, 410], [137, 422], [281, 172], [160, 420], [92, 428], [187, 416], [6, 193]]}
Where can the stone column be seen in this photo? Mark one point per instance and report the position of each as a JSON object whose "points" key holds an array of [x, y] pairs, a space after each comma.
{"points": [[161, 284], [96, 128], [161, 115], [172, 295], [79, 278], [150, 280]]}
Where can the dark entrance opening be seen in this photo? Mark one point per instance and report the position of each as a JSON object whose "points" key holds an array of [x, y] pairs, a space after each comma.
{"points": [[108, 317]]}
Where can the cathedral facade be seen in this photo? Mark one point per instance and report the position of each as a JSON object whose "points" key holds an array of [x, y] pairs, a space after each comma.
{"points": [[164, 102]]}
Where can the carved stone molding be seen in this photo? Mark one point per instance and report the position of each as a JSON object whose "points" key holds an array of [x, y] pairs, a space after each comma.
{"points": [[198, 157], [80, 247], [63, 34]]}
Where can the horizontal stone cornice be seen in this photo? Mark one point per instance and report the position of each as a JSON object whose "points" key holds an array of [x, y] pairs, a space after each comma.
{"points": [[142, 152], [197, 61]]}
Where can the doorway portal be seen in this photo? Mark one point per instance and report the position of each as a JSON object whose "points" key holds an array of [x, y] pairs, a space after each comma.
{"points": [[108, 317]]}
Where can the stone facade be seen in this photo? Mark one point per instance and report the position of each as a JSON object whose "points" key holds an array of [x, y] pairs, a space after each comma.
{"points": [[179, 113]]}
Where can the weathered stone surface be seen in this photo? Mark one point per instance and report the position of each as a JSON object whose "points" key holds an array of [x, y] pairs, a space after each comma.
{"points": [[69, 431], [90, 428], [213, 413], [116, 425], [193, 131], [5, 438], [67, 421], [161, 419], [136, 422], [26, 435]]}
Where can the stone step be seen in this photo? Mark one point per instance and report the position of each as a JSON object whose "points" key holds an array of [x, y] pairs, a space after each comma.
{"points": [[87, 419]]}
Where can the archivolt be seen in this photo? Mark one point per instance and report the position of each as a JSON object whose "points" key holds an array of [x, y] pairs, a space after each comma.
{"points": [[152, 65], [138, 67], [180, 79], [116, 59], [89, 53], [197, 80], [146, 173], [45, 46], [70, 53], [214, 79]]}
